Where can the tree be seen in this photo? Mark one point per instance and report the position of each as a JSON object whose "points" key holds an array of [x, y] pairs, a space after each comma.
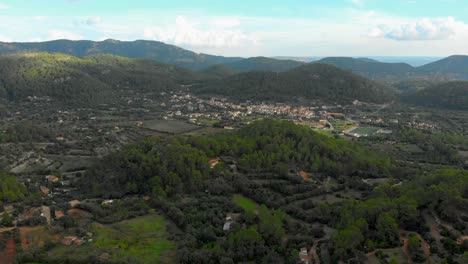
{"points": [[7, 220], [387, 230]]}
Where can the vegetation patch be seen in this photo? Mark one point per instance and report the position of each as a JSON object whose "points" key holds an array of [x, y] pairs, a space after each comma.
{"points": [[245, 203], [141, 240], [169, 126]]}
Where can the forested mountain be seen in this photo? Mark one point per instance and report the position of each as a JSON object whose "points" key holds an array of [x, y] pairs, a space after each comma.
{"points": [[263, 64], [312, 81], [153, 50], [84, 80], [451, 95], [456, 65], [448, 69], [219, 71], [368, 67]]}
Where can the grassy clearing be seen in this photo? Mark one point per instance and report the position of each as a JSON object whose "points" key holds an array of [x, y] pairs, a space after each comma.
{"points": [[342, 126], [365, 131], [327, 133], [169, 126], [139, 240], [142, 239], [245, 203]]}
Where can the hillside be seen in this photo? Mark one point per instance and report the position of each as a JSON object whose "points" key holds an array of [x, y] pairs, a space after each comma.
{"points": [[218, 71], [91, 79], [153, 50], [263, 64], [450, 95], [312, 81], [368, 67], [456, 65]]}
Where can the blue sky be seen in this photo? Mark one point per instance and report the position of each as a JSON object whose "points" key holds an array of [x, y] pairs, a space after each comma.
{"points": [[251, 28]]}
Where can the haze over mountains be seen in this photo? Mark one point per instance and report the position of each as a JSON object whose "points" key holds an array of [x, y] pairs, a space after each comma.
{"points": [[84, 73]]}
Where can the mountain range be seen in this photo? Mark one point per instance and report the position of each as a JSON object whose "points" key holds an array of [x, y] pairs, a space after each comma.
{"points": [[139, 49], [85, 70], [450, 68], [447, 69]]}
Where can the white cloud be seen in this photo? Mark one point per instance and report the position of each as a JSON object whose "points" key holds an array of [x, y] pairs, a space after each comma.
{"points": [[212, 33], [91, 21], [3, 6], [422, 29], [61, 34]]}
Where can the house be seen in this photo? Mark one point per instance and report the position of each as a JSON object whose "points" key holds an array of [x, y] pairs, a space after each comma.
{"points": [[304, 256], [60, 138], [227, 226], [213, 162], [52, 178], [139, 123], [69, 240], [107, 202], [45, 190], [74, 203], [304, 175], [59, 214], [229, 221]]}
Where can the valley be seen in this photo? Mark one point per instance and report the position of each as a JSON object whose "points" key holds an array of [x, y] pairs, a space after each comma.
{"points": [[108, 159]]}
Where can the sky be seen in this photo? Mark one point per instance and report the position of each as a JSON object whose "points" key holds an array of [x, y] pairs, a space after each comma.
{"points": [[251, 27]]}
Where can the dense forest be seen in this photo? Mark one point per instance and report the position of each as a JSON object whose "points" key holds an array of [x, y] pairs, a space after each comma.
{"points": [[256, 162], [263, 64], [313, 81], [450, 95], [84, 80], [369, 68], [264, 147]]}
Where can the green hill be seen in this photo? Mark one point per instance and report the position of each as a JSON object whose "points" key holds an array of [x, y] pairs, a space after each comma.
{"points": [[93, 79], [311, 81], [263, 64], [368, 67], [153, 50], [219, 71], [456, 65], [450, 95]]}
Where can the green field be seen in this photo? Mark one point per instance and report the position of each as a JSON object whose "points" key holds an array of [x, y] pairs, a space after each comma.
{"points": [[327, 133], [364, 131], [169, 126], [139, 240], [143, 240], [245, 203]]}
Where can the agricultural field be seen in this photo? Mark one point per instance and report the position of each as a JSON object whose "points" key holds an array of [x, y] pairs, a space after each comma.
{"points": [[139, 240], [363, 131], [170, 126], [143, 240]]}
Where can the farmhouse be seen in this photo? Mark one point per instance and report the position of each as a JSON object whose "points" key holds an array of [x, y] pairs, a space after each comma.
{"points": [[304, 256], [213, 162], [52, 178], [45, 190]]}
